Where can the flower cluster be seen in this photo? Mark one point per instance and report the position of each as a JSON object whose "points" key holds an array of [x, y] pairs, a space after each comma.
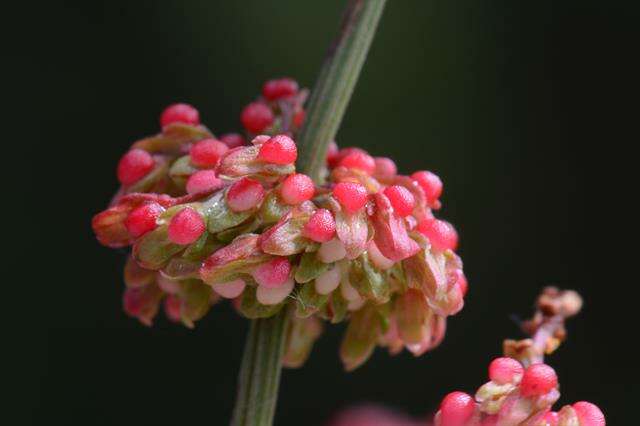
{"points": [[521, 388], [216, 217]]}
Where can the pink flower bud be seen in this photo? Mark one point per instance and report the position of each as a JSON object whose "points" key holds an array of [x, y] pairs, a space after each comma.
{"points": [[430, 183], [352, 196], [207, 152], [442, 235], [279, 88], [245, 194], [203, 181], [232, 140], [297, 188], [172, 308], [377, 258], [273, 296], [331, 251], [230, 290], [589, 414], [538, 379], [456, 409], [385, 168], [143, 219], [274, 273], [359, 160], [186, 226], [505, 370], [328, 280], [179, 113], [256, 117], [401, 199], [134, 165], [280, 149], [321, 227]]}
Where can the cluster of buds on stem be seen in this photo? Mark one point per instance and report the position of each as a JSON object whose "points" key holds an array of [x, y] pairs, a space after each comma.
{"points": [[212, 218], [522, 389]]}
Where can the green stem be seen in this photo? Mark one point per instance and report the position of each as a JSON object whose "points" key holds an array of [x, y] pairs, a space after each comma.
{"points": [[262, 360]]}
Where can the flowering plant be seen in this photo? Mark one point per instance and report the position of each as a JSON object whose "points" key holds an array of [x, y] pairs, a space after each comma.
{"points": [[213, 218]]}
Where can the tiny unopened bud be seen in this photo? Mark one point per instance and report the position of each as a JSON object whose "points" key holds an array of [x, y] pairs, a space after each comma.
{"points": [[245, 194], [456, 409], [143, 219], [273, 296], [352, 196], [231, 289], [280, 149], [401, 200], [297, 188], [179, 113], [232, 140], [505, 370], [256, 117], [321, 227], [538, 379], [203, 181], [430, 183], [589, 414], [279, 88], [328, 281], [331, 251], [385, 168], [207, 152], [441, 234], [359, 160], [274, 273], [134, 165], [186, 226]]}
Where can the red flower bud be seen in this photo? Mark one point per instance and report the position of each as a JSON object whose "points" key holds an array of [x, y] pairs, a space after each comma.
{"points": [[456, 409], [273, 273], [232, 140], [352, 196], [385, 168], [297, 188], [279, 88], [401, 199], [359, 160], [538, 379], [589, 414], [442, 235], [203, 181], [333, 154], [321, 226], [186, 226], [207, 152], [245, 194], [280, 149], [143, 219], [505, 370], [430, 183], [256, 117], [134, 165], [179, 113]]}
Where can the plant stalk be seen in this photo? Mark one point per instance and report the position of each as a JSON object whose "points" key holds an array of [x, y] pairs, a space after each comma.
{"points": [[259, 376]]}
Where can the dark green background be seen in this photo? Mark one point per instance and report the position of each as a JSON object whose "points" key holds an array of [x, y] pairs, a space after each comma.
{"points": [[524, 108]]}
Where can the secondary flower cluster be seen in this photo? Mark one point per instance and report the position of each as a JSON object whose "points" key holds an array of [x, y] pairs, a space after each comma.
{"points": [[521, 388], [215, 217]]}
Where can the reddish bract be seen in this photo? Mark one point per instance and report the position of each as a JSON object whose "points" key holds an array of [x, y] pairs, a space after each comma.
{"points": [[203, 181], [442, 235], [186, 226], [245, 194], [134, 165], [538, 379], [256, 117], [143, 219], [280, 149], [207, 152], [401, 199], [352, 196], [321, 227], [297, 188], [179, 113]]}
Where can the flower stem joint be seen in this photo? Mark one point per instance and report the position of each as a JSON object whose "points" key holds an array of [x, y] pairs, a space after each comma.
{"points": [[216, 218]]}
